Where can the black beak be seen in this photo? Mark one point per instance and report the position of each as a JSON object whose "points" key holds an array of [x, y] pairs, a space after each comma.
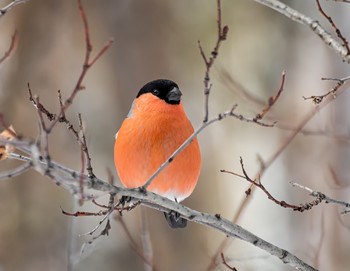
{"points": [[174, 96]]}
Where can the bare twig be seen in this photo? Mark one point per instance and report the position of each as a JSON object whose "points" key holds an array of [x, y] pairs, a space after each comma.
{"points": [[5, 9], [313, 24], [273, 99], [13, 44], [85, 148], [318, 194], [60, 117], [39, 106], [336, 29], [222, 34], [226, 264], [302, 207], [318, 99]]}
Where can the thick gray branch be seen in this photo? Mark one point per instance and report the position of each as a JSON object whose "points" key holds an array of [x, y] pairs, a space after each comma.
{"points": [[70, 180]]}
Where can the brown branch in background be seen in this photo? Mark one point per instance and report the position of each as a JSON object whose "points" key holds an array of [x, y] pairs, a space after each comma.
{"points": [[320, 242], [222, 34], [300, 208], [240, 90], [135, 247], [4, 10], [226, 264], [12, 47], [336, 29], [273, 99], [333, 91], [146, 241]]}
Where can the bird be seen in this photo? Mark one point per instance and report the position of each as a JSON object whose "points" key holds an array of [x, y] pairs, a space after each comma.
{"points": [[155, 127]]}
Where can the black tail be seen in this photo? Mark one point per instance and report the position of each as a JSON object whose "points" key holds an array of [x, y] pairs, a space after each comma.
{"points": [[175, 221]]}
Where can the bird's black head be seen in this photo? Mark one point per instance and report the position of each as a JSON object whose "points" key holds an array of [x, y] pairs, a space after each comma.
{"points": [[164, 89]]}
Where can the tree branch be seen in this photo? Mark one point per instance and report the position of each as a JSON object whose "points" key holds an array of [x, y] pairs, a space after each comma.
{"points": [[313, 24], [71, 181], [326, 198], [222, 34], [14, 41]]}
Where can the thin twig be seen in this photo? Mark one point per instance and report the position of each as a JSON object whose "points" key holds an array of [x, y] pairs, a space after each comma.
{"points": [[273, 99], [302, 207], [318, 194], [85, 148], [78, 86], [226, 264], [336, 29], [319, 98], [222, 34]]}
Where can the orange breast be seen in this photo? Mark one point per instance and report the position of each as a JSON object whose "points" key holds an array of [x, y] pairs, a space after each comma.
{"points": [[149, 137]]}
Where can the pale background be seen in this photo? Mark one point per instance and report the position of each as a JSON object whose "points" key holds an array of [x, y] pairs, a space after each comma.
{"points": [[158, 39]]}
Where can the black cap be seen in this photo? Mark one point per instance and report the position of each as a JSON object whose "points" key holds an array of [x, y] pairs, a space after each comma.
{"points": [[164, 89]]}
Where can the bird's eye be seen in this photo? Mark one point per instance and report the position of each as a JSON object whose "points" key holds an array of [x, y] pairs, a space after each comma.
{"points": [[155, 92]]}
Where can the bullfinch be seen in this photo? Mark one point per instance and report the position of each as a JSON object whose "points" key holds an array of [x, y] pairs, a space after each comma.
{"points": [[154, 128]]}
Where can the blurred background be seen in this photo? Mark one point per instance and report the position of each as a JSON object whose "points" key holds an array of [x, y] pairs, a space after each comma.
{"points": [[158, 39]]}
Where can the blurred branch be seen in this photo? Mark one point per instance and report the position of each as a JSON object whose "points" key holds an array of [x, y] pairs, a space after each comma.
{"points": [[273, 99], [133, 243], [4, 10], [15, 172], [146, 242], [313, 24], [13, 44]]}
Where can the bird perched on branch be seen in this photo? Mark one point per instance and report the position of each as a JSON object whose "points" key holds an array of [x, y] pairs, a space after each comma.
{"points": [[155, 127]]}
